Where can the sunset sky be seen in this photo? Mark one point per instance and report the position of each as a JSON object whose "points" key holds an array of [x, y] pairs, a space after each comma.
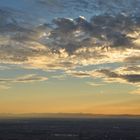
{"points": [[70, 56]]}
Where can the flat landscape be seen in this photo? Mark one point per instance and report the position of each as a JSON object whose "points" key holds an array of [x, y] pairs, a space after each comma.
{"points": [[70, 129]]}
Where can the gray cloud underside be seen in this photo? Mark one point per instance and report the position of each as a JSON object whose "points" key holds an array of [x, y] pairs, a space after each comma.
{"points": [[121, 75], [132, 78], [68, 43]]}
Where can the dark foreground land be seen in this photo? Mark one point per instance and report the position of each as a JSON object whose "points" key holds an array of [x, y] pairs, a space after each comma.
{"points": [[70, 129]]}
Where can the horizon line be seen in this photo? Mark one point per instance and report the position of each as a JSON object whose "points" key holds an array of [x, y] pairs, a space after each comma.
{"points": [[61, 114]]}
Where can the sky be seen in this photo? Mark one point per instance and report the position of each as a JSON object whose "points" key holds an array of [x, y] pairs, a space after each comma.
{"points": [[74, 56]]}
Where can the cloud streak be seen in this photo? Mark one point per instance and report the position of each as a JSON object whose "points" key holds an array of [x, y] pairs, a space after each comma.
{"points": [[24, 79], [135, 92], [132, 78]]}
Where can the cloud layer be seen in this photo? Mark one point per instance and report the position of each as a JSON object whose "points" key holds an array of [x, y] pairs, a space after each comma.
{"points": [[65, 44]]}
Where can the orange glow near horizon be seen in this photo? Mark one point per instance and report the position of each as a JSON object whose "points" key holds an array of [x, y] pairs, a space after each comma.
{"points": [[55, 57]]}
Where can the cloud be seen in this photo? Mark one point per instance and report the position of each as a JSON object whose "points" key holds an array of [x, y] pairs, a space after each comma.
{"points": [[134, 78], [66, 43], [59, 77], [130, 78], [94, 84], [135, 92], [132, 69], [102, 31], [4, 87], [107, 75], [133, 59], [71, 35], [24, 79], [31, 78], [79, 74]]}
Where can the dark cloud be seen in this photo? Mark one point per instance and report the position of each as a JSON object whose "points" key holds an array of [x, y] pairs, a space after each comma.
{"points": [[72, 34], [132, 78], [80, 74], [64, 24], [109, 31], [109, 73]]}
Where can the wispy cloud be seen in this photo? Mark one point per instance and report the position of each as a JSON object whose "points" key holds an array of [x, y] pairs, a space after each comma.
{"points": [[135, 92], [24, 79], [79, 74], [132, 78], [4, 87], [94, 84]]}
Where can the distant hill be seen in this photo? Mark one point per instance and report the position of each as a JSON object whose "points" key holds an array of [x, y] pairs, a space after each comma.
{"points": [[66, 115]]}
